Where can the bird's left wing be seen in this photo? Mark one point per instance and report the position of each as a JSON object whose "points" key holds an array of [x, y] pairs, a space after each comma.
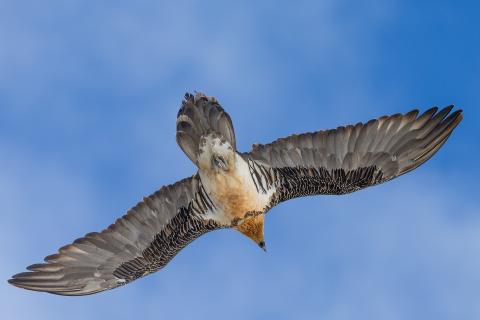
{"points": [[141, 242], [350, 158]]}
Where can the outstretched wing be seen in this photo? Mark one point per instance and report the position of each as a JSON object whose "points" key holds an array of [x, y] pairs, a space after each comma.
{"points": [[139, 243], [350, 158]]}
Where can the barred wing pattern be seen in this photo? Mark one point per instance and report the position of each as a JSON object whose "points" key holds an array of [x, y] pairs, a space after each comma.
{"points": [[350, 158], [139, 243]]}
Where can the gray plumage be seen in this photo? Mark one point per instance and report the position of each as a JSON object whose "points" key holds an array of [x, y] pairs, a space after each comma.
{"points": [[199, 116], [336, 161], [126, 249], [350, 158]]}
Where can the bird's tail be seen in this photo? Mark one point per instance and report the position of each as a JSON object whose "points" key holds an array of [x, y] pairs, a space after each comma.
{"points": [[199, 116]]}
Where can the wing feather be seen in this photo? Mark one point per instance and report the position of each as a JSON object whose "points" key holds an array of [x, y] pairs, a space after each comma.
{"points": [[139, 243], [353, 157]]}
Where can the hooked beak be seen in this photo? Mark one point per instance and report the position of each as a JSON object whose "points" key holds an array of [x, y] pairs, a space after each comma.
{"points": [[262, 245]]}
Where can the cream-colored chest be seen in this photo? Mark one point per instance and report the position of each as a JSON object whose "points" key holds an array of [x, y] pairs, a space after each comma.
{"points": [[233, 192]]}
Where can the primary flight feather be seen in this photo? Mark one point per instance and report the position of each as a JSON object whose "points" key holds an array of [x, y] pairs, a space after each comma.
{"points": [[236, 190]]}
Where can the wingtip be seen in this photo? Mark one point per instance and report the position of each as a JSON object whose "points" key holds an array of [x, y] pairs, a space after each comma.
{"points": [[449, 108], [17, 282], [456, 115], [432, 110], [460, 112], [24, 282], [413, 113], [18, 279]]}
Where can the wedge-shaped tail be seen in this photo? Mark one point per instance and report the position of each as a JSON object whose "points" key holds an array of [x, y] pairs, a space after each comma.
{"points": [[199, 116]]}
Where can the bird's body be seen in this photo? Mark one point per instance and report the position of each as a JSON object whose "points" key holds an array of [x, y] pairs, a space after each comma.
{"points": [[235, 190], [231, 187]]}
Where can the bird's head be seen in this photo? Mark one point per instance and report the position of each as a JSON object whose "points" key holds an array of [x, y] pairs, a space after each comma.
{"points": [[216, 153], [253, 228]]}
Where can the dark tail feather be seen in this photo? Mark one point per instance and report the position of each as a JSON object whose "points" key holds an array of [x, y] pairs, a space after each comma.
{"points": [[199, 116]]}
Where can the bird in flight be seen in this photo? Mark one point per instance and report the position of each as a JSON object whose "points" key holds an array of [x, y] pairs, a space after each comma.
{"points": [[235, 190]]}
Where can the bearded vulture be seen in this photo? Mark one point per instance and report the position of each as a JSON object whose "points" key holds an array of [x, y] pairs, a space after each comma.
{"points": [[235, 190]]}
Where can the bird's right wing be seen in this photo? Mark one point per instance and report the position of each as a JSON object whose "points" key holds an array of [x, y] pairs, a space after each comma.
{"points": [[350, 158], [141, 242]]}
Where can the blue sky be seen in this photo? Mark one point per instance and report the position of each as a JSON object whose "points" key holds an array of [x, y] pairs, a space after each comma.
{"points": [[89, 92]]}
